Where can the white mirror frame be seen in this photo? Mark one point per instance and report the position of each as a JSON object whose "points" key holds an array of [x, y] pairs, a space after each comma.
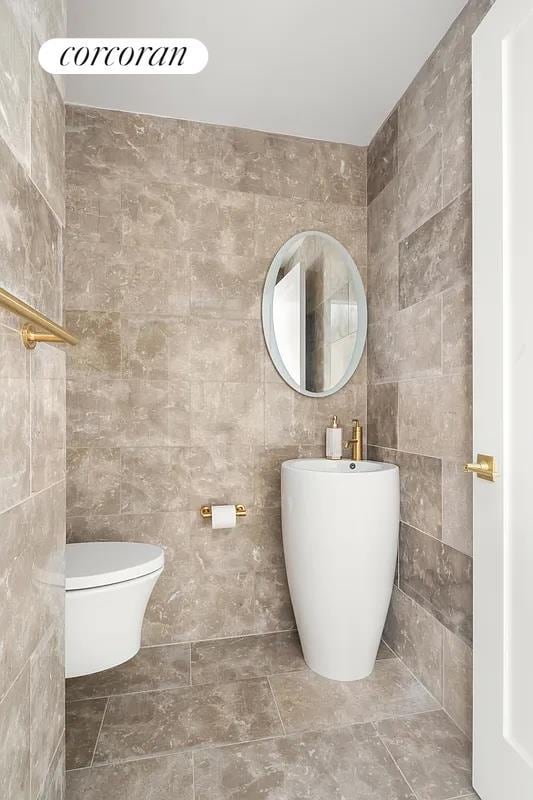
{"points": [[268, 295]]}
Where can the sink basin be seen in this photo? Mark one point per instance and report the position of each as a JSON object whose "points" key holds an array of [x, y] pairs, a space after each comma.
{"points": [[340, 522]]}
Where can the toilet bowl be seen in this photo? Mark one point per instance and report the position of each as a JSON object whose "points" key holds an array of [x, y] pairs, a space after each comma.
{"points": [[108, 585]]}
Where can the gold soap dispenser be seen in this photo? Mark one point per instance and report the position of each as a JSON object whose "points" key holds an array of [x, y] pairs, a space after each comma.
{"points": [[334, 440]]}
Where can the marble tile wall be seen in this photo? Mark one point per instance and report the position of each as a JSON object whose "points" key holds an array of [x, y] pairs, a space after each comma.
{"points": [[32, 411], [419, 358], [172, 400]]}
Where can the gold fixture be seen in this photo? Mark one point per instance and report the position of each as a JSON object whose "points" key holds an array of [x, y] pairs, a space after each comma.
{"points": [[356, 442], [206, 512], [484, 468], [30, 336]]}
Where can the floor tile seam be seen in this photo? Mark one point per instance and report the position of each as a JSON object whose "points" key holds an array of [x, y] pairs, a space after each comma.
{"points": [[220, 745], [371, 721], [308, 671], [383, 661], [465, 734], [167, 754], [165, 644], [395, 763], [182, 750], [195, 748], [69, 702], [192, 642], [412, 674], [274, 698], [263, 676], [99, 732], [468, 795], [191, 683], [187, 685], [285, 733]]}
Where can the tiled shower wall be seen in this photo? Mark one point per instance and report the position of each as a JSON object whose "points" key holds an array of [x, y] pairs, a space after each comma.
{"points": [[419, 357], [172, 400], [32, 411]]}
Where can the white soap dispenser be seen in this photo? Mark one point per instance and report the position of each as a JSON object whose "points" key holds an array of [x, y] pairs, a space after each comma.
{"points": [[334, 440]]}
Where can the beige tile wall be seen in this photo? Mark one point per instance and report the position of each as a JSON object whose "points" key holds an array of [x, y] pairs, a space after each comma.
{"points": [[419, 357], [172, 400], [32, 411]]}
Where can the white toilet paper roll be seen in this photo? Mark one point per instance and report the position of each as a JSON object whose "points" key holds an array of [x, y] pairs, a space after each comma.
{"points": [[223, 516]]}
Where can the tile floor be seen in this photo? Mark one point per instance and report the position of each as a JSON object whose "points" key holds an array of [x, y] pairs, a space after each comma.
{"points": [[244, 719]]}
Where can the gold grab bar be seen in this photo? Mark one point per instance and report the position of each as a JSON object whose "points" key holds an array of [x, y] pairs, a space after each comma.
{"points": [[240, 511], [30, 336]]}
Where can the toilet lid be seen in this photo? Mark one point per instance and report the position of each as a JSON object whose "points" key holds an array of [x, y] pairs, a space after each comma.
{"points": [[102, 563]]}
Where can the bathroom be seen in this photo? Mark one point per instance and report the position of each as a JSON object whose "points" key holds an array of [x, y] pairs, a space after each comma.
{"points": [[216, 584]]}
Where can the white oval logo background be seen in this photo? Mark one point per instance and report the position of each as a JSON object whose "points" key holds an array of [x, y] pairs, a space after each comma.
{"points": [[123, 56]]}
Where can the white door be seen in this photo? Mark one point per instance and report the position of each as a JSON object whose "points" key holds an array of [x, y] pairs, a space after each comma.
{"points": [[503, 401]]}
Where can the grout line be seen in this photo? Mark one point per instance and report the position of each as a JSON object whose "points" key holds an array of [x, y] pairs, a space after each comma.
{"points": [[27, 700], [180, 687], [121, 473], [166, 754], [398, 563], [442, 657], [58, 745], [5, 327], [465, 734], [69, 702], [441, 171], [193, 777], [31, 496], [202, 747], [156, 646], [468, 795], [395, 762], [410, 671], [15, 679], [187, 749], [277, 707], [99, 732], [302, 669], [61, 224], [151, 690], [466, 369], [403, 451], [219, 638], [80, 769], [441, 541], [30, 171], [30, 421]]}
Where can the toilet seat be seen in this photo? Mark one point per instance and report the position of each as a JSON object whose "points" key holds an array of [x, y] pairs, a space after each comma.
{"points": [[92, 564]]}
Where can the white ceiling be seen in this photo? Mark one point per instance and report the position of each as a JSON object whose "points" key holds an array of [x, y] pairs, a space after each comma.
{"points": [[323, 69]]}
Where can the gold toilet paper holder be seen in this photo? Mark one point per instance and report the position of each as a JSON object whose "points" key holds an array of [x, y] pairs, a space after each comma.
{"points": [[240, 511]]}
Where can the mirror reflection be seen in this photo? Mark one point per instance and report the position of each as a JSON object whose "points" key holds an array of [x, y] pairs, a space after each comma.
{"points": [[314, 313]]}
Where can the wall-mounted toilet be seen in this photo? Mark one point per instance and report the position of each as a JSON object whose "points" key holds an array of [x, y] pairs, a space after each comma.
{"points": [[108, 585]]}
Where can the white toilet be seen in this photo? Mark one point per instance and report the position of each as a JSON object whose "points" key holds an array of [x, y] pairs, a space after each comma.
{"points": [[108, 585]]}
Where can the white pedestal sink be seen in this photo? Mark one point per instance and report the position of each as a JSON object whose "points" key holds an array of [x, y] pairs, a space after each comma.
{"points": [[340, 524]]}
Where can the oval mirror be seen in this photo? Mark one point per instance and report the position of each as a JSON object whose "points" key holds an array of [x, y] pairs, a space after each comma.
{"points": [[314, 314]]}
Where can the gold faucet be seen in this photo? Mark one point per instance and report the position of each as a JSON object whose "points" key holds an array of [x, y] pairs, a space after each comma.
{"points": [[356, 442]]}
